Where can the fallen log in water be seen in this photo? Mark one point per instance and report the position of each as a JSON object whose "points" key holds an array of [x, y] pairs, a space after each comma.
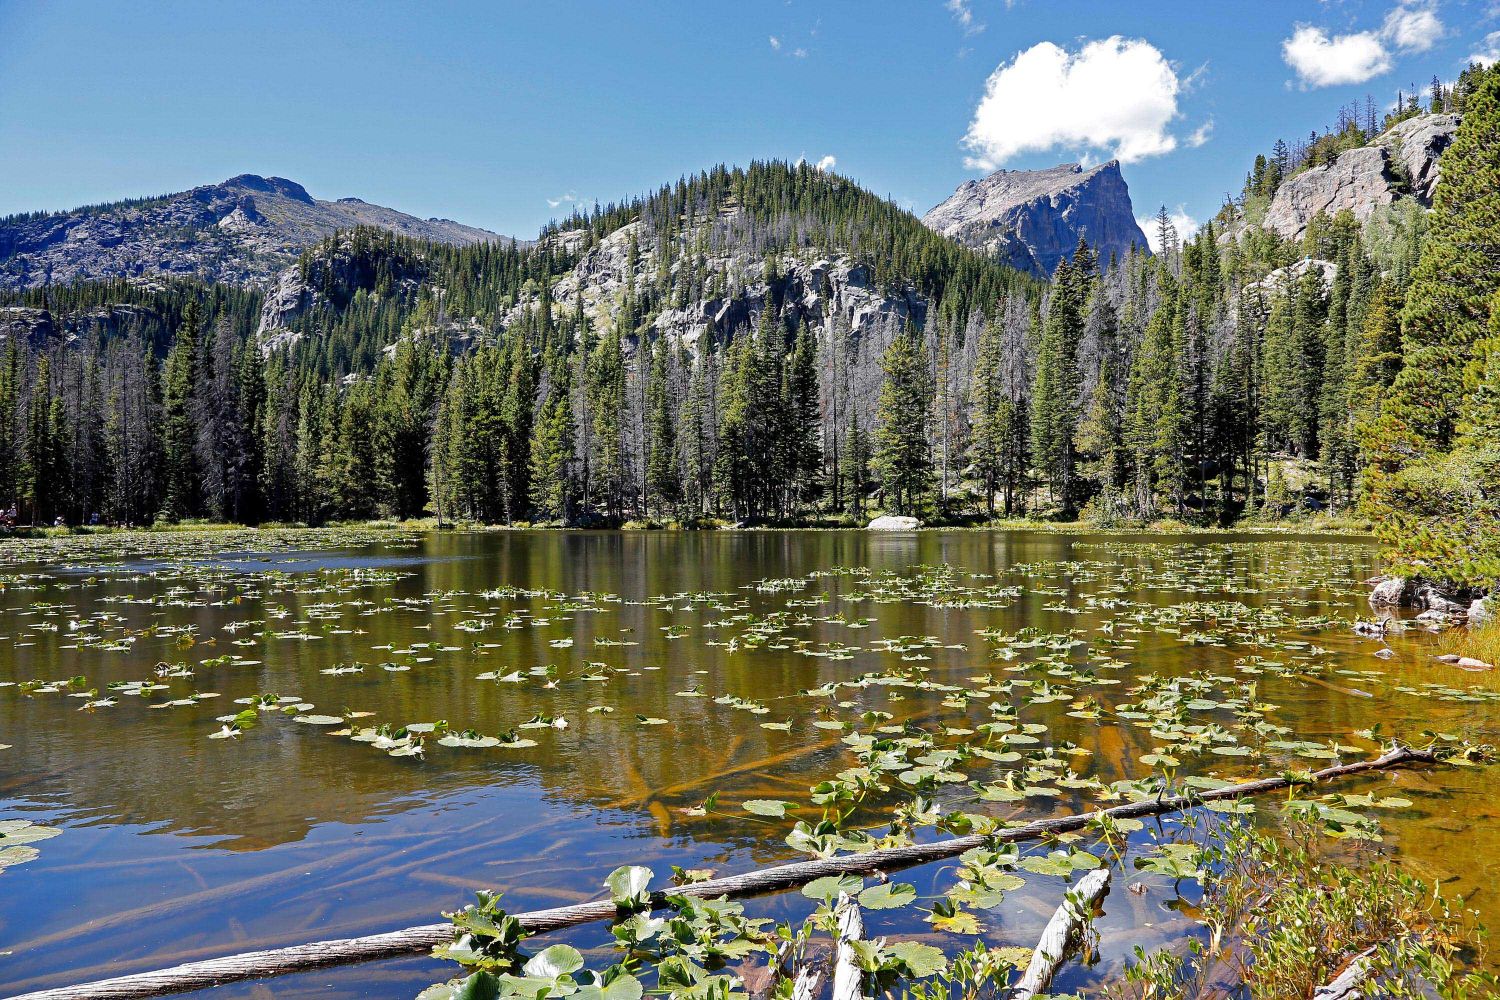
{"points": [[1060, 937], [415, 940], [848, 980]]}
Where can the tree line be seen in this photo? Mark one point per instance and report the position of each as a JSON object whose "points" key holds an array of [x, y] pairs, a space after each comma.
{"points": [[1221, 378]]}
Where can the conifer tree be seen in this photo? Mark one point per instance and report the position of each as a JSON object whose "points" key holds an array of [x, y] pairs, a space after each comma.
{"points": [[179, 432], [903, 457]]}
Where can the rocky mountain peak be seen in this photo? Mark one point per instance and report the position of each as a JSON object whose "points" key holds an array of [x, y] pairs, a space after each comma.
{"points": [[1033, 219]]}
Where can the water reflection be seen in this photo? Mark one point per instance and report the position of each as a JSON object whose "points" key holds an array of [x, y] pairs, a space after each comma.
{"points": [[180, 847]]}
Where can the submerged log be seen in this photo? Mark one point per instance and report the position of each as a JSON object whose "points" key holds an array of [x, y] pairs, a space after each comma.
{"points": [[1061, 936], [416, 940]]}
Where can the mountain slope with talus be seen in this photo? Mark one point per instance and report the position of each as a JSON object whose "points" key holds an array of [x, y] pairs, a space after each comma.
{"points": [[242, 231]]}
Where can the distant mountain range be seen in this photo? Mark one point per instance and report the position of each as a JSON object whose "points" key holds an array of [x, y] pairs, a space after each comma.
{"points": [[241, 231]]}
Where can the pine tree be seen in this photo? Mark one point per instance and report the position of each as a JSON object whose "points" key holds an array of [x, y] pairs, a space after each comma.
{"points": [[663, 476], [179, 432], [552, 487], [903, 456]]}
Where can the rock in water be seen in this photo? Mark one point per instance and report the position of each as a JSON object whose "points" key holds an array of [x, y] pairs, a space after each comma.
{"points": [[1033, 219], [1392, 592], [894, 522]]}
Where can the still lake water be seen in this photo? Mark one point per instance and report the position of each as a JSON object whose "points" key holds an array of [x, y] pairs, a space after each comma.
{"points": [[178, 847]]}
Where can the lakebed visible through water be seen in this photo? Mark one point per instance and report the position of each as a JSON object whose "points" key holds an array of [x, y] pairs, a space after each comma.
{"points": [[251, 747]]}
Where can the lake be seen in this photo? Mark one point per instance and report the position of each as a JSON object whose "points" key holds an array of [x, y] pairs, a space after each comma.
{"points": [[627, 677]]}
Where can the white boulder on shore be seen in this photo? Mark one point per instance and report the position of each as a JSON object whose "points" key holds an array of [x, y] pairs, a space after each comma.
{"points": [[894, 522]]}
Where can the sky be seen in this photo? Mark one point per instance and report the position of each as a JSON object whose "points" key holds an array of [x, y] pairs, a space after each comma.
{"points": [[506, 114]]}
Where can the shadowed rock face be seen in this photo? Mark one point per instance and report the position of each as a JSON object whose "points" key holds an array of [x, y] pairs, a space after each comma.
{"points": [[1402, 162], [241, 231], [1033, 219]]}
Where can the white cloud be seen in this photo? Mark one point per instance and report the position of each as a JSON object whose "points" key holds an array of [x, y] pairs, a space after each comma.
{"points": [[775, 43], [1321, 61], [1413, 28], [963, 13], [563, 199], [1201, 134], [1117, 94], [800, 53], [1184, 223], [1490, 53], [828, 162]]}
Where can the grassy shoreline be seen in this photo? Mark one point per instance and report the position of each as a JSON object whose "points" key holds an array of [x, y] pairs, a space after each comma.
{"points": [[1322, 525]]}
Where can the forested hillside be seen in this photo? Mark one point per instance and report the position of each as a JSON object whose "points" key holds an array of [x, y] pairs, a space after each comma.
{"points": [[776, 344]]}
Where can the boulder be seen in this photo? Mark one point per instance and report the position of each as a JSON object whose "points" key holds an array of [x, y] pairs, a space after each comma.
{"points": [[1480, 612], [1429, 597], [1392, 592], [894, 522]]}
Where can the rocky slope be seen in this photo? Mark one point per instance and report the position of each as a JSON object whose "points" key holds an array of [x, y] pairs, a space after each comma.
{"points": [[1033, 219], [242, 231], [834, 295], [1401, 163]]}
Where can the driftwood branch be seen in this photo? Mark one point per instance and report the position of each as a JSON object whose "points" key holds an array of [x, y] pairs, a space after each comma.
{"points": [[848, 980], [1061, 936], [1348, 985], [416, 940]]}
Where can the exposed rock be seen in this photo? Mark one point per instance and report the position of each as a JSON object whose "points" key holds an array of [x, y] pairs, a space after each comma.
{"points": [[1480, 612], [1464, 662], [1033, 219], [1284, 277], [241, 231], [1402, 162], [1429, 597], [1392, 592], [1418, 145], [894, 522]]}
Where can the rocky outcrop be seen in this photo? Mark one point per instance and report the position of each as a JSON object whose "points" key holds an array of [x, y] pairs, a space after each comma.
{"points": [[1033, 219], [242, 231], [894, 522], [39, 327], [1402, 162]]}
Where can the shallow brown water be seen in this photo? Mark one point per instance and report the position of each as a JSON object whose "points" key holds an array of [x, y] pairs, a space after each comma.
{"points": [[177, 847]]}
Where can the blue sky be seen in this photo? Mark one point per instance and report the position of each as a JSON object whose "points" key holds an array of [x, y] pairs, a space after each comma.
{"points": [[497, 113]]}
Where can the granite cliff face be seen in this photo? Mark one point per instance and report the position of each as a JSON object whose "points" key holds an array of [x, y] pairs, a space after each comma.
{"points": [[836, 296], [1402, 162], [242, 231], [1033, 219]]}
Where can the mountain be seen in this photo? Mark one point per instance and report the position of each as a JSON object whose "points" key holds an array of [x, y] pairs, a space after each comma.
{"points": [[1400, 163], [241, 231], [1033, 219], [711, 255]]}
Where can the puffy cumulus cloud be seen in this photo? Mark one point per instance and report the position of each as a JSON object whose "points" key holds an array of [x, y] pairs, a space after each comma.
{"points": [[775, 44], [1323, 61], [828, 162], [1181, 221], [1488, 52], [1116, 94]]}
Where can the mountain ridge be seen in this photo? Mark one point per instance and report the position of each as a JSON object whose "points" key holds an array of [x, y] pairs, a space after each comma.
{"points": [[241, 231]]}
